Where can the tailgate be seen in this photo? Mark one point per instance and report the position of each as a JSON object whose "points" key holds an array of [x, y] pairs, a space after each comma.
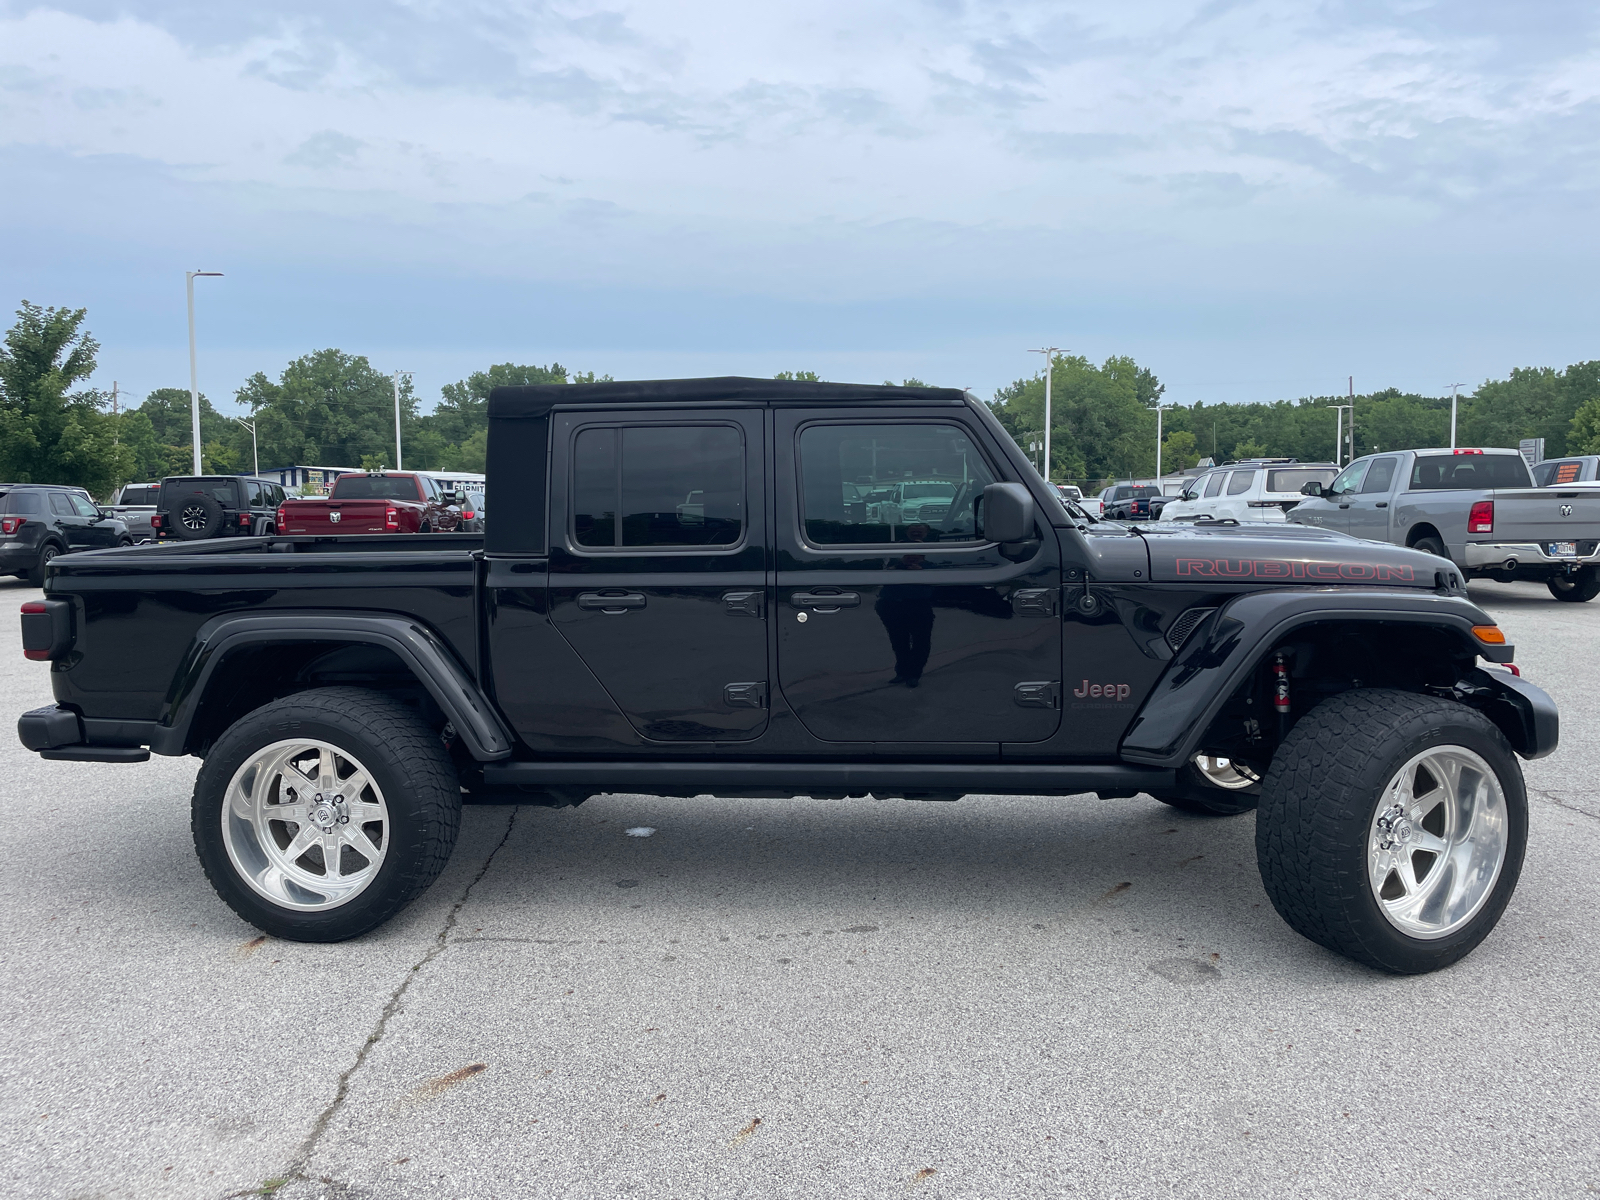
{"points": [[1543, 515], [334, 516]]}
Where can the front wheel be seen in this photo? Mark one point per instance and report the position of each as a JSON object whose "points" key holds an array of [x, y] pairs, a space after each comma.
{"points": [[320, 816], [1580, 587], [1392, 828]]}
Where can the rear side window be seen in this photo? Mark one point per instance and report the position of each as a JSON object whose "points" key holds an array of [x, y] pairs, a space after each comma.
{"points": [[1293, 479], [658, 486], [1380, 476], [1562, 472], [1239, 482], [1455, 472], [85, 509], [374, 487], [1214, 484]]}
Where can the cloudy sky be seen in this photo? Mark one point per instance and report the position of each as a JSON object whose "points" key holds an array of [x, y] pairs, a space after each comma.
{"points": [[1255, 199]]}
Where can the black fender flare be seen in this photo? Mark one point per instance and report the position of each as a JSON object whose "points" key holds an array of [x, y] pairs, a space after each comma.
{"points": [[423, 652], [1232, 641]]}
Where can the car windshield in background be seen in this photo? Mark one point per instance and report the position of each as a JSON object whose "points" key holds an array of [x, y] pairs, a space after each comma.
{"points": [[141, 495], [1454, 472], [373, 487], [1293, 479], [222, 491]]}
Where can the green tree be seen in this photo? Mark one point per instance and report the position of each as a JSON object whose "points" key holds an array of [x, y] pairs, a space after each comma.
{"points": [[327, 408], [50, 433], [1178, 452], [1103, 423], [1252, 450], [463, 407], [1583, 437], [801, 376], [1533, 402]]}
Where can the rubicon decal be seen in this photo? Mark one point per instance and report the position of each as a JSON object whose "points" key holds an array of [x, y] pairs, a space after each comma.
{"points": [[1278, 568], [1108, 691]]}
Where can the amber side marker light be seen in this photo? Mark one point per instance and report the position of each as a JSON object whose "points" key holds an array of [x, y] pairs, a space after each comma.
{"points": [[1489, 634]]}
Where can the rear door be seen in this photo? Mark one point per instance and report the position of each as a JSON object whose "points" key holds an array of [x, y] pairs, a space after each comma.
{"points": [[658, 565], [891, 632], [1369, 511]]}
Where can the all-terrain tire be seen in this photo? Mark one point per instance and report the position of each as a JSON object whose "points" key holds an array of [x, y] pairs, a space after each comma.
{"points": [[403, 756], [197, 517], [1577, 588], [1320, 800], [48, 551]]}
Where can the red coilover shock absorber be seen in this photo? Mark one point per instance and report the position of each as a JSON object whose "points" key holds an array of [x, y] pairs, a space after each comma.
{"points": [[1280, 690]]}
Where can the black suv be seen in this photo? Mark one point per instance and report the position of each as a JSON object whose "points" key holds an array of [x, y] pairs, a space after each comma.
{"points": [[38, 522], [195, 507]]}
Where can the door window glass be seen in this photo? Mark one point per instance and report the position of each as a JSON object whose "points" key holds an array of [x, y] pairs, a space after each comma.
{"points": [[1214, 484], [60, 505], [1567, 472], [1440, 472], [254, 489], [867, 485], [658, 485], [1350, 478], [21, 504], [85, 509], [1380, 477], [1239, 482]]}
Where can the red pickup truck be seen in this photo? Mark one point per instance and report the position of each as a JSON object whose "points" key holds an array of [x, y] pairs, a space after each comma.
{"points": [[378, 502]]}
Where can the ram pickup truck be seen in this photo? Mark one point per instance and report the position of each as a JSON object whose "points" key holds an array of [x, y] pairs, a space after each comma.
{"points": [[775, 639], [1478, 508], [134, 504], [377, 502], [1558, 472]]}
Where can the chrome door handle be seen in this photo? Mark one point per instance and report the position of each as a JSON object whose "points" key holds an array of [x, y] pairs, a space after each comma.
{"points": [[616, 602], [825, 601]]}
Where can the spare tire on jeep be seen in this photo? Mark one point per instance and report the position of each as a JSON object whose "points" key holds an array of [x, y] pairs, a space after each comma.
{"points": [[197, 516]]}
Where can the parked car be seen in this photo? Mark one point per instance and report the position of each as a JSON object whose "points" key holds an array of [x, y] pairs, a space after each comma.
{"points": [[377, 502], [39, 522], [1476, 507], [1127, 501], [1555, 472], [193, 508], [343, 691], [1247, 492], [1070, 492], [474, 514], [134, 504]]}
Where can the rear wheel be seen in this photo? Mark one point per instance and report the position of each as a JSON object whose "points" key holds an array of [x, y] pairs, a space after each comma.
{"points": [[1392, 828], [1431, 545], [320, 816], [46, 552], [1580, 587]]}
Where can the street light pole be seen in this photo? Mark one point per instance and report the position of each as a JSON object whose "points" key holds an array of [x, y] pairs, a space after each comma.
{"points": [[1339, 433], [1159, 409], [1049, 353], [255, 455], [399, 464], [194, 370], [1454, 387]]}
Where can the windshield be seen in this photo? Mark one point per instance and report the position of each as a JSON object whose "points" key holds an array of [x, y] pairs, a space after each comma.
{"points": [[1295, 478], [1456, 472], [374, 487]]}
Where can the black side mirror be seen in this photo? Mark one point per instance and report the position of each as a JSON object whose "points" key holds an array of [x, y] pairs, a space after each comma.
{"points": [[1311, 489], [1006, 512]]}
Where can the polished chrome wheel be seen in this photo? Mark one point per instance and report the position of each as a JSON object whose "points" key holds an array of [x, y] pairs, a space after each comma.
{"points": [[1438, 841], [305, 825]]}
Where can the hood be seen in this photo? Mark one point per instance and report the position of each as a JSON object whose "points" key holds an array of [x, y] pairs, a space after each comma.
{"points": [[1290, 554]]}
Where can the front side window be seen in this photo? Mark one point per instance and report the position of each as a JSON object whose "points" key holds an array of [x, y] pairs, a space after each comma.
{"points": [[1380, 476], [1239, 482], [911, 483], [1214, 484], [1350, 478], [60, 505], [85, 509], [658, 486]]}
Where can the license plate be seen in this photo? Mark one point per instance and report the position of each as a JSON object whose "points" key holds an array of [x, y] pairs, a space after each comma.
{"points": [[1563, 549]]}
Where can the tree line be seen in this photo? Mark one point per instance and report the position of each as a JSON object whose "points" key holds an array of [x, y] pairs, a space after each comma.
{"points": [[333, 408]]}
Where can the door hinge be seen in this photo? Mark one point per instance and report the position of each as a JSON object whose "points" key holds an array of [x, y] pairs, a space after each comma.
{"points": [[1034, 602], [748, 604], [745, 695], [1044, 693]]}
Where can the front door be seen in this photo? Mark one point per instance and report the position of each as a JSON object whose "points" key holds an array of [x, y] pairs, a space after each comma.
{"points": [[658, 565], [1368, 514], [71, 524], [896, 621]]}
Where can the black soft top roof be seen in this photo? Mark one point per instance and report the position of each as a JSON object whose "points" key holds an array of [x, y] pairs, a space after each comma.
{"points": [[535, 400]]}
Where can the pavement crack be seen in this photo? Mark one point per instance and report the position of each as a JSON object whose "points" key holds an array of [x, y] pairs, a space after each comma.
{"points": [[1560, 803], [441, 942]]}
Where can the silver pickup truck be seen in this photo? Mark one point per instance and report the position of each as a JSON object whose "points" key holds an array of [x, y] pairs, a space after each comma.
{"points": [[1579, 468], [1478, 508], [133, 505]]}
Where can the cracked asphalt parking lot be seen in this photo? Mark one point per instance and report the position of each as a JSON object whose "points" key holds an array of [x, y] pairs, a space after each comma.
{"points": [[1002, 997]]}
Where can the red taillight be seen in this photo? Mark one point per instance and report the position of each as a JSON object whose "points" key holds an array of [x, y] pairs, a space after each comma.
{"points": [[391, 518], [11, 524], [469, 514], [35, 608], [245, 520], [1480, 519], [283, 520], [157, 521]]}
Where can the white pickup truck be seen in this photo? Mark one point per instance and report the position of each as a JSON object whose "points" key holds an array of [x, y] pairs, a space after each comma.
{"points": [[1478, 508]]}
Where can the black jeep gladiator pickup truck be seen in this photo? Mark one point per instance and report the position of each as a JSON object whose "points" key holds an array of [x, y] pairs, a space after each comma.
{"points": [[767, 637]]}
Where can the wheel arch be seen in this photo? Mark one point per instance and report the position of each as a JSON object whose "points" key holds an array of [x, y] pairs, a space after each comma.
{"points": [[1422, 529], [1229, 652], [237, 663]]}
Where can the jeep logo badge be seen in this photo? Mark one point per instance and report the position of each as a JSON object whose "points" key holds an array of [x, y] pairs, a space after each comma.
{"points": [[1566, 510]]}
